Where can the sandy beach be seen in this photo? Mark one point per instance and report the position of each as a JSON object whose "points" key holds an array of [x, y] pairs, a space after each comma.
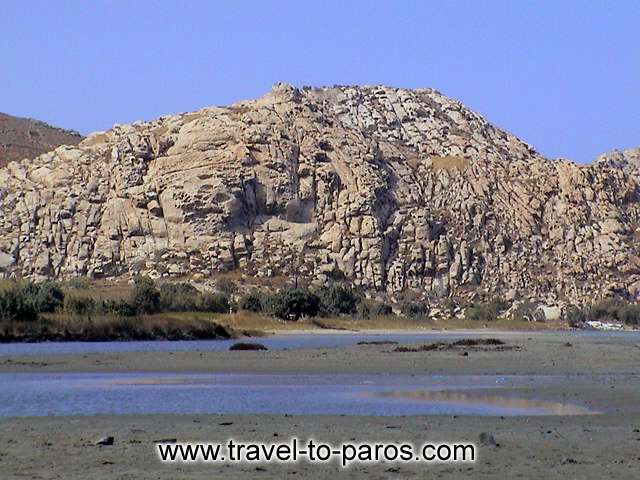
{"points": [[602, 373]]}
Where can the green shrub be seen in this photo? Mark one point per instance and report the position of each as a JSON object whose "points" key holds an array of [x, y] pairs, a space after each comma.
{"points": [[606, 309], [415, 309], [575, 315], [294, 303], [615, 310], [46, 297], [630, 314], [50, 297], [23, 302], [486, 311], [368, 310], [78, 282], [337, 300], [119, 308], [145, 297], [252, 301], [16, 306], [227, 286], [79, 305], [379, 309], [179, 297], [213, 302]]}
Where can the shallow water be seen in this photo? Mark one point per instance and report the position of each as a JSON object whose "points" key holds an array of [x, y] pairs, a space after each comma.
{"points": [[381, 395], [273, 342], [283, 342]]}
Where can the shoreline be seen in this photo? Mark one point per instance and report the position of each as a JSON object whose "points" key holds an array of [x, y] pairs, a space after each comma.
{"points": [[257, 334], [549, 352]]}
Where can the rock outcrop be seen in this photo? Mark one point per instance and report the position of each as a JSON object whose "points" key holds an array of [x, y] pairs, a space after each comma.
{"points": [[392, 189], [27, 138], [627, 160]]}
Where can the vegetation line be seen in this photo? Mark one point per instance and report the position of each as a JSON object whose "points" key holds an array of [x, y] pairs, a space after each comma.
{"points": [[149, 310]]}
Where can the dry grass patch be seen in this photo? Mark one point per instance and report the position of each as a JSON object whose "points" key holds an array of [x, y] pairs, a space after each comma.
{"points": [[99, 290], [449, 162], [413, 162], [255, 324], [191, 117], [95, 139], [164, 326]]}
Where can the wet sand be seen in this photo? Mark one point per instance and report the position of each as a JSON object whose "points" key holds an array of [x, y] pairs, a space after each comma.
{"points": [[604, 375], [537, 353]]}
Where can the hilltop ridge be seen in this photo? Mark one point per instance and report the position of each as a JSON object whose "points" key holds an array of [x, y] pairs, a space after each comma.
{"points": [[27, 138]]}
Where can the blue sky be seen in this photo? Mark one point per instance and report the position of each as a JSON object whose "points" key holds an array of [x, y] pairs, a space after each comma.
{"points": [[562, 75]]}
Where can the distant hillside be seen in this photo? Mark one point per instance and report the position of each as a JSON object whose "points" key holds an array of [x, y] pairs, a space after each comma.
{"points": [[27, 138]]}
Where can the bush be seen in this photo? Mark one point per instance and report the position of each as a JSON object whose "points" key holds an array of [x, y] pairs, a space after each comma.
{"points": [[145, 297], [87, 306], [178, 297], [16, 306], [227, 286], [46, 297], [294, 303], [49, 298], [23, 302], [615, 310], [78, 282], [368, 310], [252, 302], [119, 308], [79, 305], [213, 302], [630, 314], [337, 300], [575, 315], [184, 297], [486, 311], [606, 309], [415, 309], [379, 309], [148, 299]]}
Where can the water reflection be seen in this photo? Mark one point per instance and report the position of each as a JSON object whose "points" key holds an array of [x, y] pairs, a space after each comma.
{"points": [[246, 394], [525, 406]]}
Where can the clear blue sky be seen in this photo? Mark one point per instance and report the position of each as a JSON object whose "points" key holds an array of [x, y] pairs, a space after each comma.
{"points": [[562, 75]]}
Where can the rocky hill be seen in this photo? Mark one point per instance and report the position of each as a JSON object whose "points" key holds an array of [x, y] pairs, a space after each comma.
{"points": [[394, 190], [627, 160], [26, 138]]}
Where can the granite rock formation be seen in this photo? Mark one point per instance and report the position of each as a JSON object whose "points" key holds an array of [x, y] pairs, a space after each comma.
{"points": [[627, 160], [395, 190]]}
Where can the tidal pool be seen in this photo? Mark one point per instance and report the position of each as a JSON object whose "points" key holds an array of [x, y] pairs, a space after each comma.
{"points": [[27, 394]]}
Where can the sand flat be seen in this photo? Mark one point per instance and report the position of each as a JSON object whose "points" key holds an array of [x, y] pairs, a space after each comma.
{"points": [[604, 372]]}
